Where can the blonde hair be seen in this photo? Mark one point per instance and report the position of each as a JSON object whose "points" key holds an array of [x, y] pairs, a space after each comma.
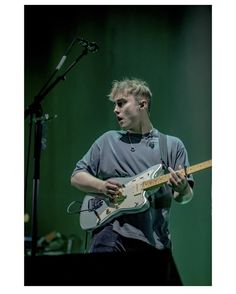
{"points": [[136, 87]]}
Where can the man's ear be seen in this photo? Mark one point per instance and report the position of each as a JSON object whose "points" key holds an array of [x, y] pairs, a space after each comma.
{"points": [[143, 104]]}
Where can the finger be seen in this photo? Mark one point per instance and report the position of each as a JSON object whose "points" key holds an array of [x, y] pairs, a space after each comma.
{"points": [[179, 173], [111, 196], [111, 191], [114, 182], [172, 181], [176, 179], [173, 174], [112, 186]]}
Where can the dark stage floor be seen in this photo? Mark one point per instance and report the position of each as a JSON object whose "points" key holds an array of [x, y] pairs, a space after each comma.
{"points": [[101, 270]]}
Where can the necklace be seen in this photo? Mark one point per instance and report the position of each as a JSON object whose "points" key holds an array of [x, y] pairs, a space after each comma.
{"points": [[132, 149]]}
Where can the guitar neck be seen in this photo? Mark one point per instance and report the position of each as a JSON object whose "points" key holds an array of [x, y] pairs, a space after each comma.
{"points": [[164, 179]]}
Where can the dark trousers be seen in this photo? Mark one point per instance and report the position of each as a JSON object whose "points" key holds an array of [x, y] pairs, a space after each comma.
{"points": [[107, 240]]}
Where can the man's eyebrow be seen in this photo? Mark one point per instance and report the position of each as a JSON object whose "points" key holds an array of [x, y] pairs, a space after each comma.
{"points": [[122, 99]]}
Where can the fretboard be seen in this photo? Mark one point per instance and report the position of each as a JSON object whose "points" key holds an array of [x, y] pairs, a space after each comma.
{"points": [[164, 179]]}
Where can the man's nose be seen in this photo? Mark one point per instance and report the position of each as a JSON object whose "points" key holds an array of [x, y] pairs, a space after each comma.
{"points": [[116, 109]]}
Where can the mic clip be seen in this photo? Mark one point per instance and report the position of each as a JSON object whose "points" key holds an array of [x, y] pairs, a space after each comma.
{"points": [[90, 46]]}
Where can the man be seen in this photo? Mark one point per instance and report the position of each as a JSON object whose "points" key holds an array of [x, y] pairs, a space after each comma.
{"points": [[126, 153]]}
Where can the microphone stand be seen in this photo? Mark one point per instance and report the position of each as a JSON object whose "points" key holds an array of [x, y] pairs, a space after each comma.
{"points": [[35, 110]]}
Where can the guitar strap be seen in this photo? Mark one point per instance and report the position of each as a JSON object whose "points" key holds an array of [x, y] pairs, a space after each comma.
{"points": [[162, 202], [163, 150]]}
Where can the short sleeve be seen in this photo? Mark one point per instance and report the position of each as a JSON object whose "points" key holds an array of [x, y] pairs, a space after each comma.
{"points": [[89, 162], [179, 156]]}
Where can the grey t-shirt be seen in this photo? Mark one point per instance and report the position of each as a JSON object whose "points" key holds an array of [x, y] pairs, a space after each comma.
{"points": [[110, 156]]}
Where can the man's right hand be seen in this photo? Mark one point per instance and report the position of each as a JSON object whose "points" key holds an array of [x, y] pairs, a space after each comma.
{"points": [[110, 188], [88, 183]]}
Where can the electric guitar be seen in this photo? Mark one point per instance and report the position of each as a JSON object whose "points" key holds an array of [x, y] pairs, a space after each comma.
{"points": [[98, 209]]}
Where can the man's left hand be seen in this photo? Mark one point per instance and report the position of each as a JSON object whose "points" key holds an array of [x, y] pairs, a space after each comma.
{"points": [[177, 181]]}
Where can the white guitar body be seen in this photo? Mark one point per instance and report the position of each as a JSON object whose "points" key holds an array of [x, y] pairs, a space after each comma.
{"points": [[97, 209]]}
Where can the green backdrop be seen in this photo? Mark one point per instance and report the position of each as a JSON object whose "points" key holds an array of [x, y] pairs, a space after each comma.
{"points": [[170, 48]]}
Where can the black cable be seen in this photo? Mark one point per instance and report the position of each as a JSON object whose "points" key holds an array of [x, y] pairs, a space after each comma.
{"points": [[79, 211], [86, 241]]}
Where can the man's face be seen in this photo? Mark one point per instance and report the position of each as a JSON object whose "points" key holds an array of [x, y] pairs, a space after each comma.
{"points": [[127, 112]]}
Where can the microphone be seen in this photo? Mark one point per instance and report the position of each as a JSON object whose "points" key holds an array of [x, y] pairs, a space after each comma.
{"points": [[91, 46]]}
